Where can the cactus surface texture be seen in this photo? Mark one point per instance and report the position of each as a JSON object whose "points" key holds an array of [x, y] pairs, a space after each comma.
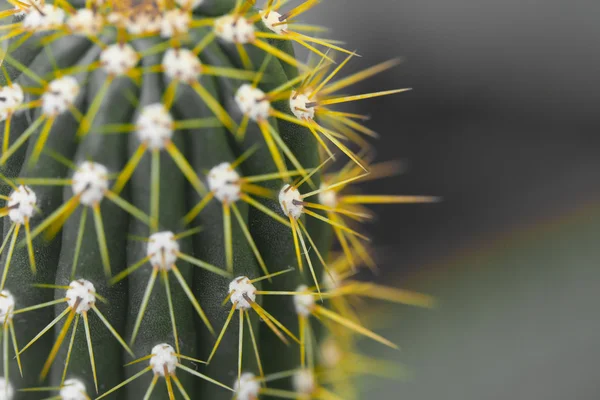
{"points": [[181, 218]]}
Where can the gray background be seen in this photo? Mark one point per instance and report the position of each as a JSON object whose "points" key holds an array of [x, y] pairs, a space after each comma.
{"points": [[503, 123]]}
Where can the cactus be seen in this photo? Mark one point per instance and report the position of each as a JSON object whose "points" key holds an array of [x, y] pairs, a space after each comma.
{"points": [[159, 164]]}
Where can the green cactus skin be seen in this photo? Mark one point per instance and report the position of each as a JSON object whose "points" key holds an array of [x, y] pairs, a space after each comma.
{"points": [[34, 58]]}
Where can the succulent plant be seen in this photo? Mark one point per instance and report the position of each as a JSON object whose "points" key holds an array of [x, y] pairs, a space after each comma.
{"points": [[159, 161]]}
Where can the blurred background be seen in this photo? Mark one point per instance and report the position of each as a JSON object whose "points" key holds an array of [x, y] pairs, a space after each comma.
{"points": [[503, 123]]}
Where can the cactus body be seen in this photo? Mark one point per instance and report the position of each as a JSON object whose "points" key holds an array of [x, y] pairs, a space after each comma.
{"points": [[159, 142]]}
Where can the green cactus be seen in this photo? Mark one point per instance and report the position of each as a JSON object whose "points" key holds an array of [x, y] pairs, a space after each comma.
{"points": [[159, 161]]}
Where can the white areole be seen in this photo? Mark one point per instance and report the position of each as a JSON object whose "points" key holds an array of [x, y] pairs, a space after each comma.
{"points": [[90, 182], [253, 102], [85, 22], [7, 306], [304, 303], [331, 280], [142, 22], [163, 358], [21, 204], [81, 291], [11, 97], [73, 389], [118, 59], [224, 182], [154, 126], [6, 390], [303, 381], [43, 18], [289, 196], [242, 292], [328, 197], [274, 22], [175, 22], [60, 95], [234, 29], [181, 64], [247, 387], [298, 106], [163, 250], [24, 9], [331, 354]]}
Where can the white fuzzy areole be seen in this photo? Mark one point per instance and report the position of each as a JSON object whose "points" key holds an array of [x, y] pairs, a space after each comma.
{"points": [[7, 306], [224, 182], [287, 195], [50, 17], [21, 204], [303, 382], [90, 182], [118, 59], [331, 280], [84, 290], [143, 22], [11, 97], [271, 21], [239, 287], [234, 29], [154, 126], [6, 390], [328, 197], [163, 355], [189, 3], [331, 354], [182, 64], [304, 303], [247, 387], [27, 8], [60, 95], [73, 389], [115, 18], [253, 102], [175, 22], [162, 250], [85, 22], [298, 106]]}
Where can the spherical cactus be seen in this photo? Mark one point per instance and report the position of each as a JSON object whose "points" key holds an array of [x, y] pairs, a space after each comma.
{"points": [[168, 216]]}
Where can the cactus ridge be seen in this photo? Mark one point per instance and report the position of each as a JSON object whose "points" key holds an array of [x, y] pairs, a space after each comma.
{"points": [[175, 181]]}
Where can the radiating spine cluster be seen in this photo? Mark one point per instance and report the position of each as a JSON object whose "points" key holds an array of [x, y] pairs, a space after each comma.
{"points": [[161, 119]]}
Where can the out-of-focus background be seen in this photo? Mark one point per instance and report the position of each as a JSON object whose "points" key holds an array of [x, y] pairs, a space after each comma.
{"points": [[504, 124]]}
